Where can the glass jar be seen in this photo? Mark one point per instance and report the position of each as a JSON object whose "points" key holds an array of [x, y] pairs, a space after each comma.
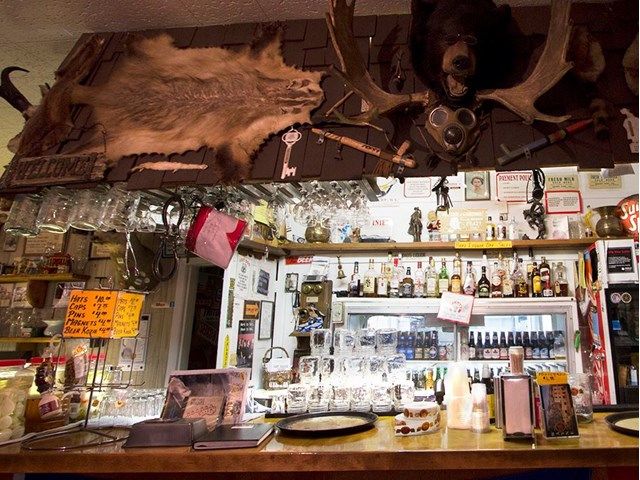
{"points": [[88, 209], [22, 216], [15, 382], [55, 212]]}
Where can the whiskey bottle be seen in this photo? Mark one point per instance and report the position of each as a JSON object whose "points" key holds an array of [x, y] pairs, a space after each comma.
{"points": [[561, 284], [545, 278], [469, 287], [496, 282], [430, 386], [484, 288], [369, 283], [431, 281], [382, 283], [520, 280], [536, 281], [443, 279], [406, 286], [354, 283], [490, 230], [508, 286], [418, 282], [456, 276], [501, 229]]}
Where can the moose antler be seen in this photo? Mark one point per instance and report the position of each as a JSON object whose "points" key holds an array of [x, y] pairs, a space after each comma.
{"points": [[551, 67], [354, 72]]}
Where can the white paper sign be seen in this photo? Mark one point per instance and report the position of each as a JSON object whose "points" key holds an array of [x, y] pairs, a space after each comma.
{"points": [[455, 307], [417, 187], [563, 201], [512, 186]]}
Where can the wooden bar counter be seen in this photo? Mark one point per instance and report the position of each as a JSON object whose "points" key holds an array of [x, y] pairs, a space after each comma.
{"points": [[450, 454]]}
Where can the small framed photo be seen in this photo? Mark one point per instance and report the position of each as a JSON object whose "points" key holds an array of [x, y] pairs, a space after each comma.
{"points": [[477, 186], [266, 320], [10, 243], [558, 415]]}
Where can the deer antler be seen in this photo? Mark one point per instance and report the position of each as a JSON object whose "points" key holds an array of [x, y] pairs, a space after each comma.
{"points": [[551, 67], [354, 72], [11, 94]]}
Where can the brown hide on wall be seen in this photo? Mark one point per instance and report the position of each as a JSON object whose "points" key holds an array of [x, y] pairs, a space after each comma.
{"points": [[306, 45]]}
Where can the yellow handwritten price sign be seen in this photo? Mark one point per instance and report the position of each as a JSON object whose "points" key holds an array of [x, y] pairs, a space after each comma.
{"points": [[102, 314], [484, 245], [552, 378]]}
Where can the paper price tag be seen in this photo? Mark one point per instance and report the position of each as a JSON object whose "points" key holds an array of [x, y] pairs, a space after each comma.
{"points": [[487, 245], [552, 378]]}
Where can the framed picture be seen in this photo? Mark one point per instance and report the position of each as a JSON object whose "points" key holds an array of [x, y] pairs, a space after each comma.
{"points": [[99, 250], [558, 415], [477, 186], [266, 320], [10, 243], [44, 242], [19, 297]]}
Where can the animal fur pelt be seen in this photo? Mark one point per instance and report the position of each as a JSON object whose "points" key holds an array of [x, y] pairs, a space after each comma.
{"points": [[162, 99]]}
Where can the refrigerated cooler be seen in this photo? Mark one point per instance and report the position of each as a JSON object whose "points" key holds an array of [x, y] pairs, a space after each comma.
{"points": [[556, 317], [610, 308]]}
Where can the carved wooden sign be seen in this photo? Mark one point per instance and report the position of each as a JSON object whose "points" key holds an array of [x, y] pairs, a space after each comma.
{"points": [[54, 170]]}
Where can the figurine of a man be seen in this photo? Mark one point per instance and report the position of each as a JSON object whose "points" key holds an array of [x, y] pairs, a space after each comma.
{"points": [[415, 225]]}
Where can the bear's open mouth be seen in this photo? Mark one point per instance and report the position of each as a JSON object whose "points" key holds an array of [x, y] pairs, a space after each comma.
{"points": [[456, 85]]}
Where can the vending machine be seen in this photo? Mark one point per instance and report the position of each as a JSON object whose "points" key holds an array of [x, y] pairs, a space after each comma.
{"points": [[609, 305]]}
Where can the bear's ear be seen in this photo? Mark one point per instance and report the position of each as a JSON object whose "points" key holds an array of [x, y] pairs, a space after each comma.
{"points": [[422, 8], [504, 14]]}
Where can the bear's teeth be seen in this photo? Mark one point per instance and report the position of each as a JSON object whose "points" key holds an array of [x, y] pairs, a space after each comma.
{"points": [[455, 87]]}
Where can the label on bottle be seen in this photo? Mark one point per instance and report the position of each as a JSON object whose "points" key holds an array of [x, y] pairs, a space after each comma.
{"points": [[443, 285], [495, 280], [406, 290], [486, 353], [382, 287], [544, 352], [528, 353], [472, 353], [431, 287], [523, 290], [456, 285], [535, 353], [369, 287], [507, 288], [495, 353], [433, 352], [483, 291], [504, 353], [537, 285]]}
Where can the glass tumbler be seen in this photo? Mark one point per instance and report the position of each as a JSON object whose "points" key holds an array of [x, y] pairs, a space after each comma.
{"points": [[55, 212], [88, 209], [360, 397], [327, 367], [580, 384], [366, 341], [386, 341], [403, 393], [344, 341], [309, 369], [22, 216], [341, 398], [297, 398], [396, 367], [319, 397], [321, 342], [381, 399]]}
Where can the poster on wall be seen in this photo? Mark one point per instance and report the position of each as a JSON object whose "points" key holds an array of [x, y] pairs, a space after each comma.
{"points": [[251, 310], [619, 260], [263, 282], [417, 187], [246, 338], [242, 276], [563, 201], [512, 186]]}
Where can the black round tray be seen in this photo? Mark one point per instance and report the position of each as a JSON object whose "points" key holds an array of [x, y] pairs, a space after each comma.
{"points": [[612, 421], [287, 426]]}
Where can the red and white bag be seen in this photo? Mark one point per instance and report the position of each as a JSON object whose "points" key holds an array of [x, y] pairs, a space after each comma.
{"points": [[214, 236]]}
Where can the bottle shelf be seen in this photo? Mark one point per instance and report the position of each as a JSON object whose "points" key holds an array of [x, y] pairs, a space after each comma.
{"points": [[25, 339], [43, 277]]}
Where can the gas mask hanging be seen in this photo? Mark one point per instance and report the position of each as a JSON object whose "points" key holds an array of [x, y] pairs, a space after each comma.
{"points": [[456, 131]]}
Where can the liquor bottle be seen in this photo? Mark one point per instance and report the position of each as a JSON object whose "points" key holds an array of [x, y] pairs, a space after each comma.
{"points": [[486, 350], [535, 346], [443, 279], [495, 347], [439, 386], [430, 386], [528, 349], [410, 347], [399, 266], [504, 348], [545, 278], [479, 347], [402, 340], [382, 283], [456, 276], [432, 279], [519, 339], [369, 283], [536, 281], [496, 282], [490, 230], [406, 286], [476, 376], [550, 345], [543, 345], [469, 287], [464, 346], [426, 345], [501, 229], [354, 283], [486, 379], [559, 346], [530, 276], [520, 280], [419, 350], [433, 348], [561, 284], [512, 229], [508, 286], [418, 282], [484, 287], [394, 284], [472, 347]]}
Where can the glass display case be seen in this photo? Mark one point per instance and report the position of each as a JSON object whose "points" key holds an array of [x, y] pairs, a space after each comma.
{"points": [[545, 327]]}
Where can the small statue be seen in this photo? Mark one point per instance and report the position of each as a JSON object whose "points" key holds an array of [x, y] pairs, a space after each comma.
{"points": [[535, 218], [434, 224], [415, 225]]}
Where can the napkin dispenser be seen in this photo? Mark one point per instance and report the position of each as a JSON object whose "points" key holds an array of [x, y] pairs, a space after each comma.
{"points": [[517, 417], [166, 433]]}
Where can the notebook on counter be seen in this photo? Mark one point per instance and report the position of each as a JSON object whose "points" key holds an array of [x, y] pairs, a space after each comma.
{"points": [[244, 435]]}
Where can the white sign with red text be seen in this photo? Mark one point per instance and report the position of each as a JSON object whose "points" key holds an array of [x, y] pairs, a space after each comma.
{"points": [[455, 307], [513, 186]]}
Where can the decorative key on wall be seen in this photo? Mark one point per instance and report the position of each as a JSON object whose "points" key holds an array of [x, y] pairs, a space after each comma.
{"points": [[290, 138]]}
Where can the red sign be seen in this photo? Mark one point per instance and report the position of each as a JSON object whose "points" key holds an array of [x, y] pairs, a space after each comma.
{"points": [[298, 260], [628, 213]]}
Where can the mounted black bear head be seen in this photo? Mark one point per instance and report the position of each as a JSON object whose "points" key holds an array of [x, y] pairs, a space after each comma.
{"points": [[458, 46]]}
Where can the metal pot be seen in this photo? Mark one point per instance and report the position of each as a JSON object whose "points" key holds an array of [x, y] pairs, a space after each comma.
{"points": [[316, 233], [609, 224]]}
